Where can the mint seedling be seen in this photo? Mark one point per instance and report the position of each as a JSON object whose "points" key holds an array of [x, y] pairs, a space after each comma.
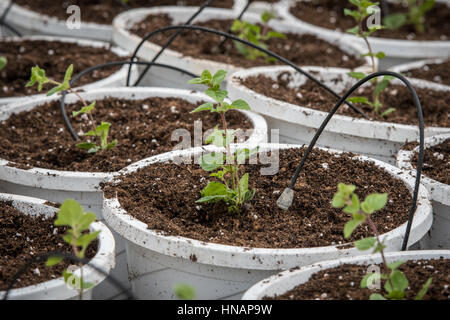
{"points": [[360, 15], [396, 282], [98, 133], [3, 63], [415, 16], [233, 188], [255, 35], [72, 215]]}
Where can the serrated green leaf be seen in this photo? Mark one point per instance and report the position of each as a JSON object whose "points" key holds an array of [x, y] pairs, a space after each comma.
{"points": [[377, 296], [395, 265], [241, 105], [374, 202], [365, 244], [219, 77], [54, 260], [3, 63], [84, 110], [424, 289], [204, 107], [354, 207]]}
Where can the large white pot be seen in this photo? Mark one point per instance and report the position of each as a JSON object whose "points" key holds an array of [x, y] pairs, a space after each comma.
{"points": [[57, 289], [288, 280], [157, 262], [117, 79], [31, 22], [56, 186], [439, 235], [297, 124], [403, 68], [397, 51], [125, 39], [260, 7]]}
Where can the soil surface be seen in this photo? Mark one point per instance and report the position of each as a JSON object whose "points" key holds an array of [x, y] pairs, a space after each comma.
{"points": [[436, 164], [434, 103], [343, 282], [143, 127], [436, 72], [104, 11], [23, 237], [164, 197], [330, 14], [54, 57], [300, 49]]}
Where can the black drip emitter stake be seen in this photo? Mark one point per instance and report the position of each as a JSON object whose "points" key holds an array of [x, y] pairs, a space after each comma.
{"points": [[285, 200]]}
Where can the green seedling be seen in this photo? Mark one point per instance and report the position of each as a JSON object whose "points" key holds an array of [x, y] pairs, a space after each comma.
{"points": [[78, 222], [184, 292], [256, 35], [396, 282], [415, 16], [98, 133], [3, 63], [360, 15], [233, 188]]}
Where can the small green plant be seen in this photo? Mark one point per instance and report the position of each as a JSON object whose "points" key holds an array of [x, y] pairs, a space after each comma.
{"points": [[72, 215], [396, 282], [360, 15], [184, 292], [415, 16], [98, 133], [254, 34], [3, 63], [233, 188]]}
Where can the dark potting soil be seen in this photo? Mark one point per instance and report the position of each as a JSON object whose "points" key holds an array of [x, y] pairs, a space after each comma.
{"points": [[104, 11], [343, 282], [436, 162], [143, 127], [434, 103], [164, 197], [54, 57], [23, 237], [300, 49], [436, 72], [330, 14]]}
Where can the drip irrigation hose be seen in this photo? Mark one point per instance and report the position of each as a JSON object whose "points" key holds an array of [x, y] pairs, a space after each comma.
{"points": [[167, 44], [235, 38], [421, 148], [73, 258], [3, 20], [105, 65]]}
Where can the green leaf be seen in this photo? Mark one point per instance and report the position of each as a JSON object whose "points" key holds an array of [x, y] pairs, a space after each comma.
{"points": [[395, 21], [357, 75], [267, 16], [353, 13], [365, 244], [86, 239], [377, 296], [84, 110], [217, 95], [274, 34], [359, 100], [218, 138], [339, 200], [354, 30], [212, 161], [346, 188], [184, 292], [68, 74], [54, 260], [424, 289], [219, 77], [354, 207], [37, 76], [394, 265], [351, 225], [374, 202], [112, 144], [243, 183], [387, 112], [212, 198], [86, 145], [374, 276], [69, 213], [241, 105], [3, 63], [206, 106], [399, 284], [214, 189], [380, 87]]}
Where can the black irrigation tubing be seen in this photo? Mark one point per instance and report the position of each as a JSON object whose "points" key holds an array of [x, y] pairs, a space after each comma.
{"points": [[105, 65], [249, 2], [3, 20], [166, 45], [73, 258], [421, 148], [235, 38]]}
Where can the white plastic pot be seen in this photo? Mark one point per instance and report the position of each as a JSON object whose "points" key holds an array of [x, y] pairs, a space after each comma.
{"points": [[31, 22], [117, 79], [157, 262], [56, 186], [397, 51], [403, 68], [57, 289], [126, 39], [298, 124], [439, 235], [260, 7], [288, 280]]}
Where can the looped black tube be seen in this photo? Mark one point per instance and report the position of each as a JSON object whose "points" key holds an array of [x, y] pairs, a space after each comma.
{"points": [[105, 65], [73, 258], [3, 20], [235, 38], [421, 148], [167, 44]]}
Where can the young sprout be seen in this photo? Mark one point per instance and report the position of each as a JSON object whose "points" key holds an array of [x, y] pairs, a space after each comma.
{"points": [[415, 16], [72, 215], [360, 15], [233, 189], [99, 133], [396, 282], [184, 292], [3, 63], [255, 35]]}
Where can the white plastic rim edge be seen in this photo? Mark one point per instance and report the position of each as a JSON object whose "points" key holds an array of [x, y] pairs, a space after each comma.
{"points": [[89, 181], [314, 118], [252, 258], [288, 280], [439, 191], [104, 259]]}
